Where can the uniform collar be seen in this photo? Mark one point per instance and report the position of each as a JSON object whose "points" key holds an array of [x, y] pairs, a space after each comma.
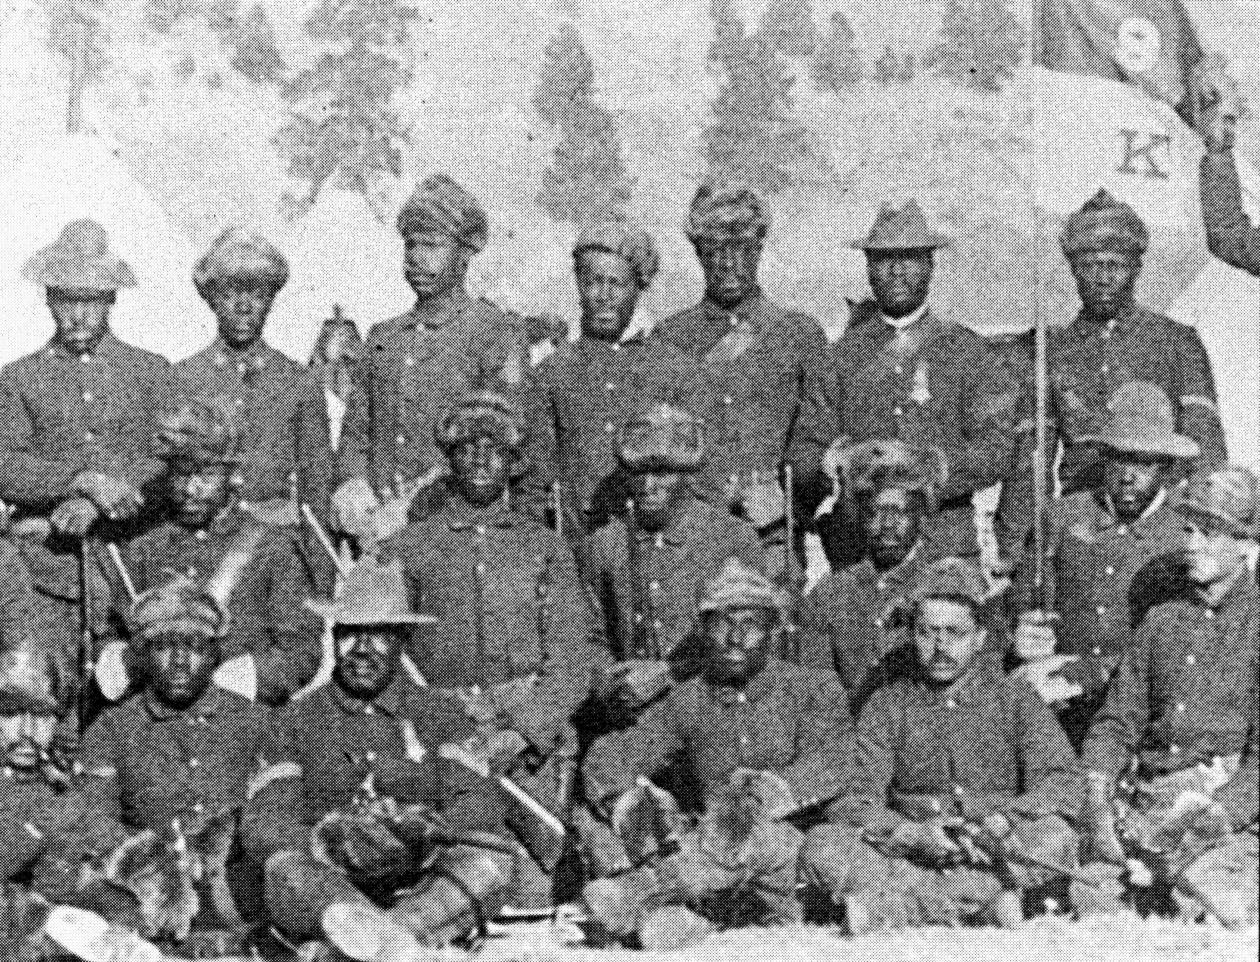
{"points": [[462, 516], [1086, 327], [748, 310], [982, 677], [598, 345], [255, 356], [108, 348], [1147, 519], [900, 324], [684, 523], [207, 706], [226, 522], [389, 703], [901, 574], [1242, 597], [767, 681], [434, 315]]}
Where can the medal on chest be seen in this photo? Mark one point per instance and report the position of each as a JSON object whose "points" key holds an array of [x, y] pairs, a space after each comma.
{"points": [[920, 393]]}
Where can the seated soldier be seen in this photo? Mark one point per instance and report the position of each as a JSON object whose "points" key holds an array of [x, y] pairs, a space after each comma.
{"points": [[765, 741], [958, 751], [368, 834], [1181, 715], [1099, 541], [849, 623], [183, 748], [274, 645]]}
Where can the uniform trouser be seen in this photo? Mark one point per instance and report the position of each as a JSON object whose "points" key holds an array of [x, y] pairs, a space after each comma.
{"points": [[898, 892], [1229, 874]]}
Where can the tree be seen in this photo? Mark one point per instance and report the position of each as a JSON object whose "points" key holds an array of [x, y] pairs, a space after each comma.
{"points": [[343, 127], [587, 180], [77, 35], [886, 67], [836, 66], [909, 70], [788, 28], [252, 41], [981, 44]]}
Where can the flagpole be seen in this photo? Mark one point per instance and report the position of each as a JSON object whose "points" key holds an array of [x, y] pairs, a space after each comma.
{"points": [[1041, 377]]}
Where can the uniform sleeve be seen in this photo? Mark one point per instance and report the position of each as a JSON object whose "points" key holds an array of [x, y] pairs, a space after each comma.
{"points": [[354, 454], [313, 455], [823, 769], [274, 813], [813, 631], [866, 805], [540, 454], [618, 758], [99, 755], [28, 478], [15, 592], [1200, 418], [1241, 794], [1116, 729], [1231, 236], [1051, 770], [979, 446], [294, 640], [819, 423]]}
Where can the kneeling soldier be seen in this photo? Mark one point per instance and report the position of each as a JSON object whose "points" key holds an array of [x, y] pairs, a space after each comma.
{"points": [[957, 752], [763, 740], [368, 834]]}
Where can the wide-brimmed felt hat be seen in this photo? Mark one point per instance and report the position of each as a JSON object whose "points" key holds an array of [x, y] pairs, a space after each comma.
{"points": [[372, 594], [1141, 420], [902, 228], [80, 260]]}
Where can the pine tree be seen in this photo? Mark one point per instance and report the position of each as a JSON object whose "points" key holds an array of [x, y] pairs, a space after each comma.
{"points": [[886, 67], [252, 41], [836, 66], [981, 45], [343, 127], [587, 180], [788, 28], [909, 70], [78, 37]]}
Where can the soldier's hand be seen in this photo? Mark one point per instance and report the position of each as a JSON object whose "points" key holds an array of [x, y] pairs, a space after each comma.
{"points": [[1212, 823], [74, 517], [646, 818], [776, 795], [929, 838], [1046, 677], [352, 506], [763, 500], [1218, 108], [1034, 636], [116, 498]]}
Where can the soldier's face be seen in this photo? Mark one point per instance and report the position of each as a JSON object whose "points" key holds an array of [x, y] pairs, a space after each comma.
{"points": [[946, 638], [198, 493], [730, 268], [481, 468], [608, 290], [892, 519], [241, 311], [737, 643], [1132, 484], [655, 493], [434, 263], [367, 658], [81, 317], [1212, 557], [26, 734], [900, 280], [1105, 281], [179, 667]]}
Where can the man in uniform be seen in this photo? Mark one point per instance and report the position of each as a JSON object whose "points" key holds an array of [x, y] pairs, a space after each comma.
{"points": [[273, 647], [764, 740], [1231, 236], [356, 772], [417, 364], [956, 751], [901, 372], [1099, 541], [758, 355], [1113, 340], [77, 419], [850, 622], [596, 383], [1182, 708]]}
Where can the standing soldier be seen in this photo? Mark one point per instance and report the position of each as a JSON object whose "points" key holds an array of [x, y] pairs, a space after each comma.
{"points": [[850, 622], [759, 355], [1231, 235], [1098, 542], [596, 383], [1113, 340], [283, 428], [274, 644], [77, 420], [418, 363], [901, 373], [1181, 713]]}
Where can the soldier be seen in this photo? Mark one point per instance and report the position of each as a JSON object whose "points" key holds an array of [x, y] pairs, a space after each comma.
{"points": [[76, 429], [1181, 712], [1231, 236], [284, 430], [901, 372], [758, 354], [765, 740], [597, 382], [1099, 541], [273, 646], [1112, 341], [850, 622], [418, 363], [958, 749], [355, 772]]}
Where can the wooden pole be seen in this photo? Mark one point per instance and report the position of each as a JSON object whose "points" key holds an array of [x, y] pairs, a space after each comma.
{"points": [[1041, 454], [78, 70]]}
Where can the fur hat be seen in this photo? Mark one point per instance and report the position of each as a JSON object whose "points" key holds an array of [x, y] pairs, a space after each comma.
{"points": [[180, 606], [203, 432], [32, 676], [80, 259], [954, 578], [440, 204], [726, 210], [1222, 499], [872, 466], [243, 257], [484, 414], [628, 241], [739, 586], [662, 438], [1104, 223]]}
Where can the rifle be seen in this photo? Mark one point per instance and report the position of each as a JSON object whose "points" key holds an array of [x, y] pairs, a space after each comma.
{"points": [[83, 657], [791, 640]]}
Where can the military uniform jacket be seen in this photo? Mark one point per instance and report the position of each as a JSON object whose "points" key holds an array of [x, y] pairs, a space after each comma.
{"points": [[509, 604], [15, 591], [850, 623], [927, 385], [323, 747], [146, 763], [413, 370], [593, 388], [47, 833], [986, 744], [759, 358], [1185, 694], [268, 619], [1230, 234], [790, 720], [649, 600], [282, 419]]}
